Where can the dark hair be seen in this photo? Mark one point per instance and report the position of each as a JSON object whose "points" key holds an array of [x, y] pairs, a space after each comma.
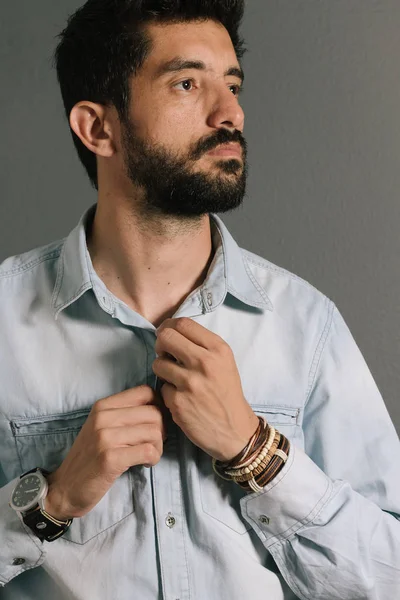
{"points": [[105, 42]]}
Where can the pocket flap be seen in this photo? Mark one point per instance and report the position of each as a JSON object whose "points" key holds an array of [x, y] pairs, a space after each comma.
{"points": [[61, 423], [276, 414]]}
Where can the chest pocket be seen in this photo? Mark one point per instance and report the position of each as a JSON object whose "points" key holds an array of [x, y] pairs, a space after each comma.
{"points": [[45, 442], [221, 499]]}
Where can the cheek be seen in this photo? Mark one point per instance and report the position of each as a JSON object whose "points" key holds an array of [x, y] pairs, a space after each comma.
{"points": [[176, 124], [175, 132]]}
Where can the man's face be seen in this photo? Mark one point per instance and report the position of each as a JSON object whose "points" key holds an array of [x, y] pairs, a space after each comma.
{"points": [[183, 141]]}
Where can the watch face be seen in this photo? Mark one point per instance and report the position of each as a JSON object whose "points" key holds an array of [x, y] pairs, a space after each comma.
{"points": [[26, 491]]}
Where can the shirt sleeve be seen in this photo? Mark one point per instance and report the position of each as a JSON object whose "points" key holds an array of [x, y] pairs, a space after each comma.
{"points": [[20, 549], [331, 518]]}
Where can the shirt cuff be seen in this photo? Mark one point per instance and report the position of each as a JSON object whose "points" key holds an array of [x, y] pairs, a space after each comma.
{"points": [[20, 549], [290, 501]]}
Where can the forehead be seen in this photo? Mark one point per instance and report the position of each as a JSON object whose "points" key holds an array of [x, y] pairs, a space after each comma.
{"points": [[208, 41]]}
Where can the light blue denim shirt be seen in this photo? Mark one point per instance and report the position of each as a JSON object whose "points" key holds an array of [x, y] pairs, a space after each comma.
{"points": [[326, 528]]}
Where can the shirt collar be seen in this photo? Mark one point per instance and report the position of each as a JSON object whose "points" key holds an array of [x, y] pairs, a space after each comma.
{"points": [[229, 271]]}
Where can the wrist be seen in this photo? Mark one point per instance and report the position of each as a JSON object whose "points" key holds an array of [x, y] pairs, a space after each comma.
{"points": [[236, 451], [54, 503]]}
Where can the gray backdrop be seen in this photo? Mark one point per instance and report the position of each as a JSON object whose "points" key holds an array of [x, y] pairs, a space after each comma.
{"points": [[322, 101]]}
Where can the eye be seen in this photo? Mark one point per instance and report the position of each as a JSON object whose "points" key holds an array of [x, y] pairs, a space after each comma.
{"points": [[237, 89], [187, 84]]}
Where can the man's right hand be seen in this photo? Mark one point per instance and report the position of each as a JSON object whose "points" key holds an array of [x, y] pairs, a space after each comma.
{"points": [[121, 431]]}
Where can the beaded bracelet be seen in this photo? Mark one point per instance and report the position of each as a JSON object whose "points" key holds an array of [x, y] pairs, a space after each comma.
{"points": [[258, 477], [262, 461], [276, 465], [250, 464], [259, 462], [264, 435], [262, 464]]}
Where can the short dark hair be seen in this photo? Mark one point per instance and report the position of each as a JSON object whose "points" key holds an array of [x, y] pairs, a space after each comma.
{"points": [[105, 42]]}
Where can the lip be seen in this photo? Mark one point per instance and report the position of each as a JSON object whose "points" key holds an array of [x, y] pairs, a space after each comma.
{"points": [[227, 150]]}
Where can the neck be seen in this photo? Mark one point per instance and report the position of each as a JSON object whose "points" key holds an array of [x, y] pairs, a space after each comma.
{"points": [[152, 263]]}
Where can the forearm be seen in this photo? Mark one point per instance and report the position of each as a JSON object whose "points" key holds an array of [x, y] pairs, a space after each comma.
{"points": [[17, 542], [327, 540]]}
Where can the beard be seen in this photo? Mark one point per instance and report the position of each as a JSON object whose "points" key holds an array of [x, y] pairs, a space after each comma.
{"points": [[170, 182]]}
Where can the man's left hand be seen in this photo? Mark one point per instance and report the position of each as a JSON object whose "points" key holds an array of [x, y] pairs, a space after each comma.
{"points": [[202, 389]]}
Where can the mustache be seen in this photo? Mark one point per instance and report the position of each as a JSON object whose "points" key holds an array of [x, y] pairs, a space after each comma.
{"points": [[222, 136]]}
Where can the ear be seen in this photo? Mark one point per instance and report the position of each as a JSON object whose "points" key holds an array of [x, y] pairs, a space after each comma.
{"points": [[92, 124]]}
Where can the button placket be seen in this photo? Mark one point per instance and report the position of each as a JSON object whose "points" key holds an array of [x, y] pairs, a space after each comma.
{"points": [[169, 514]]}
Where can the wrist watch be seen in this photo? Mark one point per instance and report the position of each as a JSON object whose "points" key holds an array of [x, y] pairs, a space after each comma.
{"points": [[27, 499]]}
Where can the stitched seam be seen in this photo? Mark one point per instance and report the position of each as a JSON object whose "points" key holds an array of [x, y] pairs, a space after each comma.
{"points": [[68, 541], [332, 497], [313, 514], [157, 529], [48, 417], [16, 448], [278, 544], [244, 299], [277, 480], [268, 266], [255, 282], [29, 266], [318, 351], [83, 288], [60, 275], [184, 540], [40, 548], [45, 433], [308, 518], [275, 417]]}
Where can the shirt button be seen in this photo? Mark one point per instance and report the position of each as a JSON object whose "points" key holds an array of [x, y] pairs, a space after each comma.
{"points": [[264, 519], [18, 561], [170, 521]]}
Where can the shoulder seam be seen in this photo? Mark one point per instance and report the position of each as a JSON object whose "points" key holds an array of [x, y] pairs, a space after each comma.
{"points": [[265, 264], [319, 349]]}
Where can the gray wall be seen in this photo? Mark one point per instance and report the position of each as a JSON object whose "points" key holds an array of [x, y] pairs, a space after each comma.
{"points": [[323, 126]]}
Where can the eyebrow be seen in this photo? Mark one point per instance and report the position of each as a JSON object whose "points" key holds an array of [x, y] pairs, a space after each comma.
{"points": [[180, 64]]}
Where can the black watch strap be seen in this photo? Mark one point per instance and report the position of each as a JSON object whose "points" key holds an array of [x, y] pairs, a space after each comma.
{"points": [[34, 471], [43, 525]]}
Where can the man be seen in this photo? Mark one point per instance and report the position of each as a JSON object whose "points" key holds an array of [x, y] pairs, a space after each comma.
{"points": [[138, 354]]}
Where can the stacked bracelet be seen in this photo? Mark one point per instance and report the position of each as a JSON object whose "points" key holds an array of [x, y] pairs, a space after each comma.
{"points": [[259, 462]]}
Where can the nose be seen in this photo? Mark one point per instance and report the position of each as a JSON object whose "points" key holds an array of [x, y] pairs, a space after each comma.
{"points": [[226, 111]]}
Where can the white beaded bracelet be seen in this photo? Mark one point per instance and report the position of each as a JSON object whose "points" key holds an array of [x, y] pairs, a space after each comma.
{"points": [[263, 453]]}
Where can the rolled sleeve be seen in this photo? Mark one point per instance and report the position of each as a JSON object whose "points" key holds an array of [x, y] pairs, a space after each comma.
{"points": [[291, 501], [20, 550]]}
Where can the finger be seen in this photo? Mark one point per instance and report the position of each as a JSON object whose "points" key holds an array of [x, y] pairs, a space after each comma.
{"points": [[176, 347], [115, 437], [138, 396], [193, 331], [170, 372], [121, 459], [128, 417]]}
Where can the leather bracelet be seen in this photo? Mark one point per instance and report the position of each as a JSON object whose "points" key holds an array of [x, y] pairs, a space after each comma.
{"points": [[239, 457], [263, 464], [276, 465]]}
